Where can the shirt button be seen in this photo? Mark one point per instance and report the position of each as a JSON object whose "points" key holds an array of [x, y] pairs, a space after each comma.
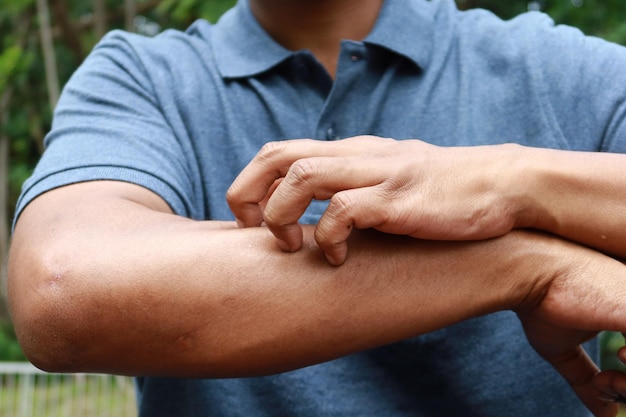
{"points": [[355, 57], [331, 135]]}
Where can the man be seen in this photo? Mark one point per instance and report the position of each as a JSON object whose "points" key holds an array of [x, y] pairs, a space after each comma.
{"points": [[124, 259]]}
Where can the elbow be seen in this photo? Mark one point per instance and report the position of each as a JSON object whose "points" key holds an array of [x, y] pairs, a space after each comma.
{"points": [[45, 315]]}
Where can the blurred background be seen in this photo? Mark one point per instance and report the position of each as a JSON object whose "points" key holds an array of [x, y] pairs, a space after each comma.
{"points": [[43, 41]]}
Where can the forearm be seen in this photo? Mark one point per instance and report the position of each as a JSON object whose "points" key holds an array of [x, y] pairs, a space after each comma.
{"points": [[580, 196], [412, 188], [153, 293]]}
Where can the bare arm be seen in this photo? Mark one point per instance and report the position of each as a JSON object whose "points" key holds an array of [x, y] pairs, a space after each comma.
{"points": [[103, 278], [413, 188], [103, 272], [578, 195]]}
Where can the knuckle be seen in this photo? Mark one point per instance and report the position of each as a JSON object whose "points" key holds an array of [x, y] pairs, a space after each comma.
{"points": [[273, 217], [269, 151], [232, 194], [326, 239], [398, 187], [331, 236], [302, 172], [340, 207]]}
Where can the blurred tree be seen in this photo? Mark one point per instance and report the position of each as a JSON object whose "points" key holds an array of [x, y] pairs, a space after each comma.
{"points": [[47, 50], [186, 11], [130, 12], [603, 18]]}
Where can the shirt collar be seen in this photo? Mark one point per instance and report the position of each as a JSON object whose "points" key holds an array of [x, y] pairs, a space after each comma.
{"points": [[243, 49], [406, 27]]}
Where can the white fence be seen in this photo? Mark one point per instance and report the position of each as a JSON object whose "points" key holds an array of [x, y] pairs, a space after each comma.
{"points": [[26, 391]]}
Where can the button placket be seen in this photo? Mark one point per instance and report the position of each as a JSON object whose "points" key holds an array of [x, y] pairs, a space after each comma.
{"points": [[350, 66]]}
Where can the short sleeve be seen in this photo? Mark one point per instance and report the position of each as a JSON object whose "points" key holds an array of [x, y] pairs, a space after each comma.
{"points": [[583, 81], [109, 125]]}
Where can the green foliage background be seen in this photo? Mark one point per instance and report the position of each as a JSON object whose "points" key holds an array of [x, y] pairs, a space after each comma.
{"points": [[27, 112]]}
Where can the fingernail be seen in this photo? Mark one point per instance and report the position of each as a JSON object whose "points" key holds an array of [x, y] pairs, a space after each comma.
{"points": [[606, 398], [612, 398]]}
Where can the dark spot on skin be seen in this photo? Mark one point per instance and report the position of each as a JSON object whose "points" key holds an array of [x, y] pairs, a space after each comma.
{"points": [[185, 342]]}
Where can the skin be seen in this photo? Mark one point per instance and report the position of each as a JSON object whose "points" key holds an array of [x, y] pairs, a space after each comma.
{"points": [[416, 189], [103, 277], [317, 25]]}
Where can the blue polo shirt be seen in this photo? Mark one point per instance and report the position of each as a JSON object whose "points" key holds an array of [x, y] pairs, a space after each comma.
{"points": [[182, 113]]}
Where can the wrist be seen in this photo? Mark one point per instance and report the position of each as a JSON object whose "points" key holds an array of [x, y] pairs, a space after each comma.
{"points": [[528, 175], [539, 261], [515, 184]]}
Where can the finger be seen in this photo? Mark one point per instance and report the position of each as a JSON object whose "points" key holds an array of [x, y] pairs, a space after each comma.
{"points": [[362, 208], [621, 354], [308, 179], [580, 372], [272, 162], [263, 203], [611, 386], [244, 198]]}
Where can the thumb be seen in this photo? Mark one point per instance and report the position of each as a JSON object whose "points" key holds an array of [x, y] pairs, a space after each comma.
{"points": [[593, 387]]}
